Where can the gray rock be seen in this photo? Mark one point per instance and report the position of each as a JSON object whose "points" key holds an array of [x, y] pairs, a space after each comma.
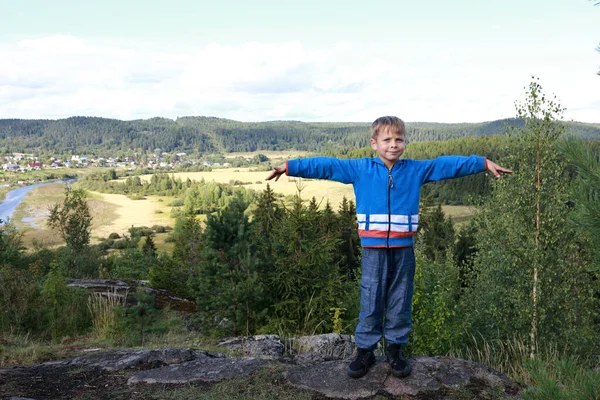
{"points": [[264, 346], [432, 377], [203, 369], [121, 360], [331, 379], [330, 346]]}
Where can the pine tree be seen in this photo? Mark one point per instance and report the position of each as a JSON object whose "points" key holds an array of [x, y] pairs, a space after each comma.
{"points": [[349, 247], [305, 281], [585, 190], [228, 285], [149, 248]]}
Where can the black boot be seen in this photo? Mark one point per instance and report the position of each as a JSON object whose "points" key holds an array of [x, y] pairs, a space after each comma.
{"points": [[400, 365], [361, 363]]}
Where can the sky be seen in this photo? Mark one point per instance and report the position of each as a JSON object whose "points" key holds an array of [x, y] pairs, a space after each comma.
{"points": [[309, 60]]}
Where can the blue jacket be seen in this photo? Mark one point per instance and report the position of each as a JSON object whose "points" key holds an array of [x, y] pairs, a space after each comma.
{"points": [[387, 200]]}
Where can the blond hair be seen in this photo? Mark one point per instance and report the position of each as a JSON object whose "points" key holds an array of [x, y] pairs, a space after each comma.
{"points": [[387, 122]]}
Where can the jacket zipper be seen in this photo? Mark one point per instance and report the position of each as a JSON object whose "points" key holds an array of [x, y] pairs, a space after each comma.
{"points": [[390, 186]]}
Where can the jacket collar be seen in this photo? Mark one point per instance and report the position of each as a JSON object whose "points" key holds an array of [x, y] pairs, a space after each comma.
{"points": [[378, 160]]}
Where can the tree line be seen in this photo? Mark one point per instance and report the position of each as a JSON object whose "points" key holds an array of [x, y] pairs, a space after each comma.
{"points": [[102, 136]]}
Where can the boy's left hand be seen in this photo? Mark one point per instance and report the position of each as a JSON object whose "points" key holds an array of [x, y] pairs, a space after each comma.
{"points": [[496, 169]]}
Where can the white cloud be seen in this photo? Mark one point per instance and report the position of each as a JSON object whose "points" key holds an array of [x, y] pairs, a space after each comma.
{"points": [[62, 76]]}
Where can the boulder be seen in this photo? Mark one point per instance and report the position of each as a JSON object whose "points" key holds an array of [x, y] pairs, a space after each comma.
{"points": [[262, 346], [330, 346]]}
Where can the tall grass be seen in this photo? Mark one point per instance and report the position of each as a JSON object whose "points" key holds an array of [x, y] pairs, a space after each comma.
{"points": [[506, 356], [103, 307], [552, 374]]}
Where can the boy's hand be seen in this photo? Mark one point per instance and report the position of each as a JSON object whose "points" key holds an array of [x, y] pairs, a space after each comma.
{"points": [[496, 169], [277, 172]]}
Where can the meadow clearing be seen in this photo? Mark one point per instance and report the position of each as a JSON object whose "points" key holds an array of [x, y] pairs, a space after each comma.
{"points": [[111, 213], [117, 213]]}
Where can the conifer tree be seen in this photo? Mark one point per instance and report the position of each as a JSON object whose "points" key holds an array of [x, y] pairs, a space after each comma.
{"points": [[350, 247], [306, 280], [228, 286], [149, 248], [585, 190], [267, 215]]}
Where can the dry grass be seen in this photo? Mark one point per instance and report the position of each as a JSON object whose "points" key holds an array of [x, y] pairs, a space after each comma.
{"points": [[459, 214], [119, 213], [103, 309]]}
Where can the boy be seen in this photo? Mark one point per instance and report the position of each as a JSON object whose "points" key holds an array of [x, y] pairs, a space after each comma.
{"points": [[387, 193]]}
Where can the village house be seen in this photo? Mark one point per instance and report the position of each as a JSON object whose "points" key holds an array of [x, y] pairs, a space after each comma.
{"points": [[37, 165], [10, 167]]}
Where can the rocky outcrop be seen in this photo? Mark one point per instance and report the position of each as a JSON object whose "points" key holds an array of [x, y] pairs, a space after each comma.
{"points": [[140, 359], [126, 290], [202, 369], [431, 378]]}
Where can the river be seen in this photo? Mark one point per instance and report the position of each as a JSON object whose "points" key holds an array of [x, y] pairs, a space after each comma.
{"points": [[14, 198]]}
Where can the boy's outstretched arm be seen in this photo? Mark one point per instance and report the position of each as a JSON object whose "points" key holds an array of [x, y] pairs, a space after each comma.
{"points": [[495, 168], [277, 172]]}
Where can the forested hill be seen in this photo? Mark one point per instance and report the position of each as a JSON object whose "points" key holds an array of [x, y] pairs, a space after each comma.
{"points": [[208, 134]]}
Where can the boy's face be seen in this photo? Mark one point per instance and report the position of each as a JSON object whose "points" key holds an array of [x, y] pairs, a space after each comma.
{"points": [[389, 145]]}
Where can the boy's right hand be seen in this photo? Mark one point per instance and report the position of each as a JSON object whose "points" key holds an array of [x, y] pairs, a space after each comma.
{"points": [[277, 172]]}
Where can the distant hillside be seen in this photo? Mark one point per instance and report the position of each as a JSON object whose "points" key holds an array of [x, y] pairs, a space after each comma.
{"points": [[208, 134]]}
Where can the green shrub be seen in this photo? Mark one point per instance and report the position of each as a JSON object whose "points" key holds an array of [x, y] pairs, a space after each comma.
{"points": [[140, 231], [159, 228], [19, 301], [65, 308]]}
